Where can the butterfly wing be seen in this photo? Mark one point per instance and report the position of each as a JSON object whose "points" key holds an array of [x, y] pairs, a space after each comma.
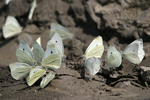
{"points": [[51, 59], [19, 70], [37, 52], [95, 49], [39, 41], [11, 27], [134, 52], [47, 79], [33, 6], [62, 31], [7, 1], [51, 49], [59, 27], [57, 41], [24, 53], [35, 74], [93, 65], [114, 58]]}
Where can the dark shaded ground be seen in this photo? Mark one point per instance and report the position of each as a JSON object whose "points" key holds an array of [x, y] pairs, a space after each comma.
{"points": [[118, 21]]}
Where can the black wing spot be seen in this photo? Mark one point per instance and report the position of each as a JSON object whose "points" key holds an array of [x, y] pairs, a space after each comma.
{"points": [[56, 41], [23, 49], [111, 52], [45, 75], [51, 52]]}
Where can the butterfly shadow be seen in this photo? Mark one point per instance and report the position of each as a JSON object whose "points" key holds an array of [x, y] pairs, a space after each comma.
{"points": [[5, 41], [25, 88], [12, 85], [3, 8], [82, 74], [59, 75]]}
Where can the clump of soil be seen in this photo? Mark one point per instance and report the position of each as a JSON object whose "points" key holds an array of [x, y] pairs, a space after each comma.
{"points": [[72, 80]]}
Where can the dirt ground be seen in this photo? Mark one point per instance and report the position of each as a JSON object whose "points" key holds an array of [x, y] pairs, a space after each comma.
{"points": [[119, 22], [73, 81]]}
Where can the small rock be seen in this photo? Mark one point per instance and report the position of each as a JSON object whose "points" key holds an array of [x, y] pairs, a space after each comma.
{"points": [[78, 10], [26, 37], [114, 75], [90, 10], [62, 7], [125, 83], [147, 50], [145, 72], [32, 29], [115, 94], [18, 7], [66, 21]]}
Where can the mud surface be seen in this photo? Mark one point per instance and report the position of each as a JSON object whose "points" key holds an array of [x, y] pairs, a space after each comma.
{"points": [[86, 19]]}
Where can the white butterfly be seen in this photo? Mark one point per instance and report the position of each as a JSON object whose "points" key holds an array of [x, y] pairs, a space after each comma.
{"points": [[11, 27], [36, 63], [92, 55], [62, 31], [24, 53], [133, 52], [26, 58], [38, 40], [7, 1], [93, 65], [50, 60], [95, 49], [19, 70], [38, 52], [57, 41], [114, 58], [33, 6], [47, 79], [35, 74]]}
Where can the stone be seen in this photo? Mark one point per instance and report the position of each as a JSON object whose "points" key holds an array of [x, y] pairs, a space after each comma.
{"points": [[22, 5], [77, 11], [90, 10], [26, 37], [145, 72], [32, 29], [66, 21]]}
